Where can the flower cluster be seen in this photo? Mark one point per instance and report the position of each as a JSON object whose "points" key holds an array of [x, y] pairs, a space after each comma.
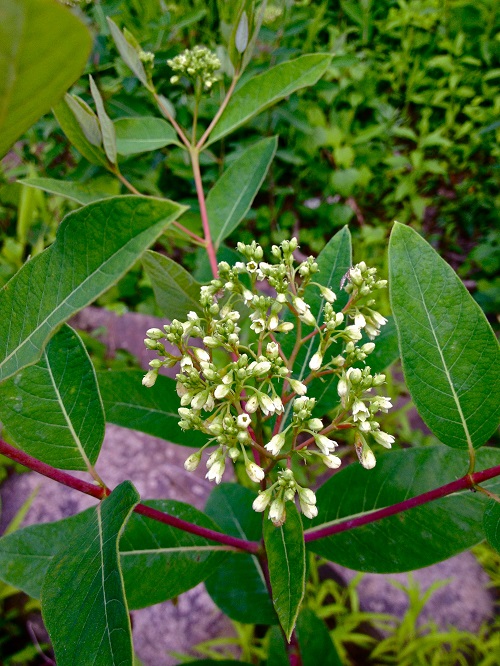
{"points": [[237, 374], [196, 63]]}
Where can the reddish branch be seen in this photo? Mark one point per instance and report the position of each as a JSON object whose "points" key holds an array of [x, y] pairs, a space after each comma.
{"points": [[100, 493], [469, 481]]}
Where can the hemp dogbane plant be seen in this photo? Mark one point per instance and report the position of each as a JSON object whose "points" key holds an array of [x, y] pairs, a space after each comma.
{"points": [[275, 361], [233, 397]]}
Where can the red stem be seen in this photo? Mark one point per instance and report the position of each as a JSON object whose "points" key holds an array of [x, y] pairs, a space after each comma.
{"points": [[100, 493], [203, 211], [467, 481]]}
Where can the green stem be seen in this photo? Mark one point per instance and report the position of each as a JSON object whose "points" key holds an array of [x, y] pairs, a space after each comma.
{"points": [[219, 113], [172, 121]]}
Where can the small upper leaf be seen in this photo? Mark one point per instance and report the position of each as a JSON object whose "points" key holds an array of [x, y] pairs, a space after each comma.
{"points": [[106, 124], [268, 88], [287, 566], [64, 112], [128, 53], [83, 597], [176, 291], [43, 50], [140, 135], [60, 395], [231, 197], [94, 247], [451, 358]]}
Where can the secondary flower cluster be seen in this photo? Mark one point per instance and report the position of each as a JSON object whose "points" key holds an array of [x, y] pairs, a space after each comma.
{"points": [[238, 381], [198, 62]]}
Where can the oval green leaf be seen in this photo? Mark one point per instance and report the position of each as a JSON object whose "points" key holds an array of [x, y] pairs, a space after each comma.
{"points": [[239, 586], [268, 88], [232, 195], [94, 247], [176, 291], [43, 50], [59, 394], [129, 404], [316, 646], [286, 556], [82, 193], [491, 524], [140, 135], [413, 539], [450, 355], [83, 596], [160, 562], [64, 112]]}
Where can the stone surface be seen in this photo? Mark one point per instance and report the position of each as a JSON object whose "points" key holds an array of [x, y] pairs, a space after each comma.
{"points": [[462, 601]]}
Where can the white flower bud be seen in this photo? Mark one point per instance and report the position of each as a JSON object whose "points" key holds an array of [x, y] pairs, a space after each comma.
{"points": [[252, 404], [210, 342], [261, 502], [342, 387], [149, 378], [383, 438], [150, 344], [201, 354], [277, 512], [359, 321], [315, 424], [306, 495], [324, 444], [266, 404], [309, 510], [316, 361], [353, 333], [328, 294], [285, 327], [308, 318], [155, 333], [276, 443], [234, 453], [300, 305], [254, 472], [360, 411], [366, 458], [298, 387], [261, 368], [191, 463], [333, 462], [368, 348], [216, 471], [273, 322], [278, 405], [221, 391]]}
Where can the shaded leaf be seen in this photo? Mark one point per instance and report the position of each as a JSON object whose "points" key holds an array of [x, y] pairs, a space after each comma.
{"points": [[128, 53], [140, 135], [82, 193], [491, 524], [160, 562], [86, 119], [37, 64], [105, 122], [52, 409], [71, 127], [83, 598], [268, 88], [316, 646], [287, 566], [25, 555], [94, 247], [277, 654], [232, 195], [129, 404], [416, 538], [239, 586], [450, 355], [176, 291]]}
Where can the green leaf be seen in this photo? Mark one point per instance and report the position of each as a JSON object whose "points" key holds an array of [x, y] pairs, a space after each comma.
{"points": [[105, 122], [129, 404], [94, 247], [268, 88], [140, 135], [82, 193], [333, 261], [25, 555], [287, 566], [128, 53], [316, 646], [83, 598], [60, 395], [413, 539], [239, 586], [277, 654], [43, 50], [65, 116], [232, 195], [450, 355], [176, 291], [86, 119], [491, 523], [160, 562]]}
